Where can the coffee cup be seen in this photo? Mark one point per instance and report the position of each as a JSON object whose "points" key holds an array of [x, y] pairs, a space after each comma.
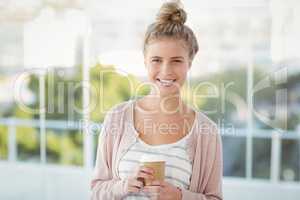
{"points": [[157, 164]]}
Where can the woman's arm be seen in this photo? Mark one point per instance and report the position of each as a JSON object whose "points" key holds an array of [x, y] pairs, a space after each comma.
{"points": [[103, 185], [213, 189]]}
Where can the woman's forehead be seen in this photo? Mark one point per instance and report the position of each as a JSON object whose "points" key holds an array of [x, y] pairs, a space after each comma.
{"points": [[167, 47]]}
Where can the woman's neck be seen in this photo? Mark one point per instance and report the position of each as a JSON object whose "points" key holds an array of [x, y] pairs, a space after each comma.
{"points": [[163, 105]]}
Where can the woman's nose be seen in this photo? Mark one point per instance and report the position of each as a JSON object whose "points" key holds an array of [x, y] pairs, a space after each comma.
{"points": [[166, 69]]}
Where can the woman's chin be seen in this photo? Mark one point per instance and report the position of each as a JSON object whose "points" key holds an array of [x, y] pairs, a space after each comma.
{"points": [[172, 91], [166, 90]]}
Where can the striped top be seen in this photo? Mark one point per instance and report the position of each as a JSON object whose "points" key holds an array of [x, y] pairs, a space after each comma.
{"points": [[204, 148], [178, 166]]}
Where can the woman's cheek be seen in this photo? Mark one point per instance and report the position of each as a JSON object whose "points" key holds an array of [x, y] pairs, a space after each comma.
{"points": [[152, 72]]}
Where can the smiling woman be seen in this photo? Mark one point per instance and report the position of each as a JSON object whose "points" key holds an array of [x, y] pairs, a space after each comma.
{"points": [[160, 125], [167, 62]]}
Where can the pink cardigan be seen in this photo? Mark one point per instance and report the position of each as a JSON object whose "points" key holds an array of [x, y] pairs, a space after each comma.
{"points": [[117, 136]]}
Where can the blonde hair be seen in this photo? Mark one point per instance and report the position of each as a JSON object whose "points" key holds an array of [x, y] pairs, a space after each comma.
{"points": [[170, 24]]}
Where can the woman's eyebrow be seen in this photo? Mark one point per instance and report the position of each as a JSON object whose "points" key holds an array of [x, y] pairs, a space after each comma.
{"points": [[155, 57], [174, 57], [177, 57]]}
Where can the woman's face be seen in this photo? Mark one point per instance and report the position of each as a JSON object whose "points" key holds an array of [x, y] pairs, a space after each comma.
{"points": [[167, 62]]}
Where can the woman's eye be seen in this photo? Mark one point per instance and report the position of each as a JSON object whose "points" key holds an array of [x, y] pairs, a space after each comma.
{"points": [[177, 61], [156, 60]]}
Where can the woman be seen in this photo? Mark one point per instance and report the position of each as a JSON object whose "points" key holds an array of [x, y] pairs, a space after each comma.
{"points": [[160, 124]]}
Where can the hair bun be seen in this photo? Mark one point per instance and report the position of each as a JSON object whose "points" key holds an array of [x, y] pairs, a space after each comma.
{"points": [[171, 12]]}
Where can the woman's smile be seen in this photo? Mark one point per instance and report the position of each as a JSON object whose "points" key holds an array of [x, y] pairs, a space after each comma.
{"points": [[166, 82]]}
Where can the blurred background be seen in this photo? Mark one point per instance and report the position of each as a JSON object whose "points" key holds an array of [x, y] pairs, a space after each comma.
{"points": [[64, 64]]}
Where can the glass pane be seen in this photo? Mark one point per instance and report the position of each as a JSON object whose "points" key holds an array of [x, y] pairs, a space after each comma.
{"points": [[111, 86], [63, 93], [64, 147], [223, 99], [261, 158], [290, 160], [28, 144], [271, 100], [234, 165], [3, 143]]}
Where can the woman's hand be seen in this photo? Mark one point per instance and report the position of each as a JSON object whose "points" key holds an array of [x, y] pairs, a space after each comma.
{"points": [[136, 182], [161, 190]]}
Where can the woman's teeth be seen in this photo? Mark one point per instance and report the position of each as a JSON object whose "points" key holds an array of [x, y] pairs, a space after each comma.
{"points": [[166, 82]]}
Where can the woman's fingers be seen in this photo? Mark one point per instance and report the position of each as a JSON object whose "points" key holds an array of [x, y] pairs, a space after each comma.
{"points": [[152, 189], [134, 185], [143, 172], [144, 175], [153, 192], [136, 181], [133, 190], [158, 183], [156, 189], [147, 170]]}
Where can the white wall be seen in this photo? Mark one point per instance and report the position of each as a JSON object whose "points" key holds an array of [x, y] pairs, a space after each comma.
{"points": [[35, 182]]}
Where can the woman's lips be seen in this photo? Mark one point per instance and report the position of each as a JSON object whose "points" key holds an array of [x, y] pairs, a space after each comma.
{"points": [[166, 82]]}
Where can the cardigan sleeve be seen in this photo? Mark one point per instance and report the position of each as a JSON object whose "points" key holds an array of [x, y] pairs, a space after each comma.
{"points": [[213, 188], [103, 185]]}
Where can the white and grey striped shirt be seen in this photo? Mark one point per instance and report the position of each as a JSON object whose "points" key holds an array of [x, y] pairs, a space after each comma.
{"points": [[178, 165]]}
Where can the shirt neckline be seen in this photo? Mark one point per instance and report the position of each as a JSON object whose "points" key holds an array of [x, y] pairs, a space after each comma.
{"points": [[160, 145]]}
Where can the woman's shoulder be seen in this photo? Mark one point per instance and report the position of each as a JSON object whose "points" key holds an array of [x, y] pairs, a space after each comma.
{"points": [[205, 125], [207, 132], [205, 135], [116, 117], [205, 119], [118, 114], [119, 109]]}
